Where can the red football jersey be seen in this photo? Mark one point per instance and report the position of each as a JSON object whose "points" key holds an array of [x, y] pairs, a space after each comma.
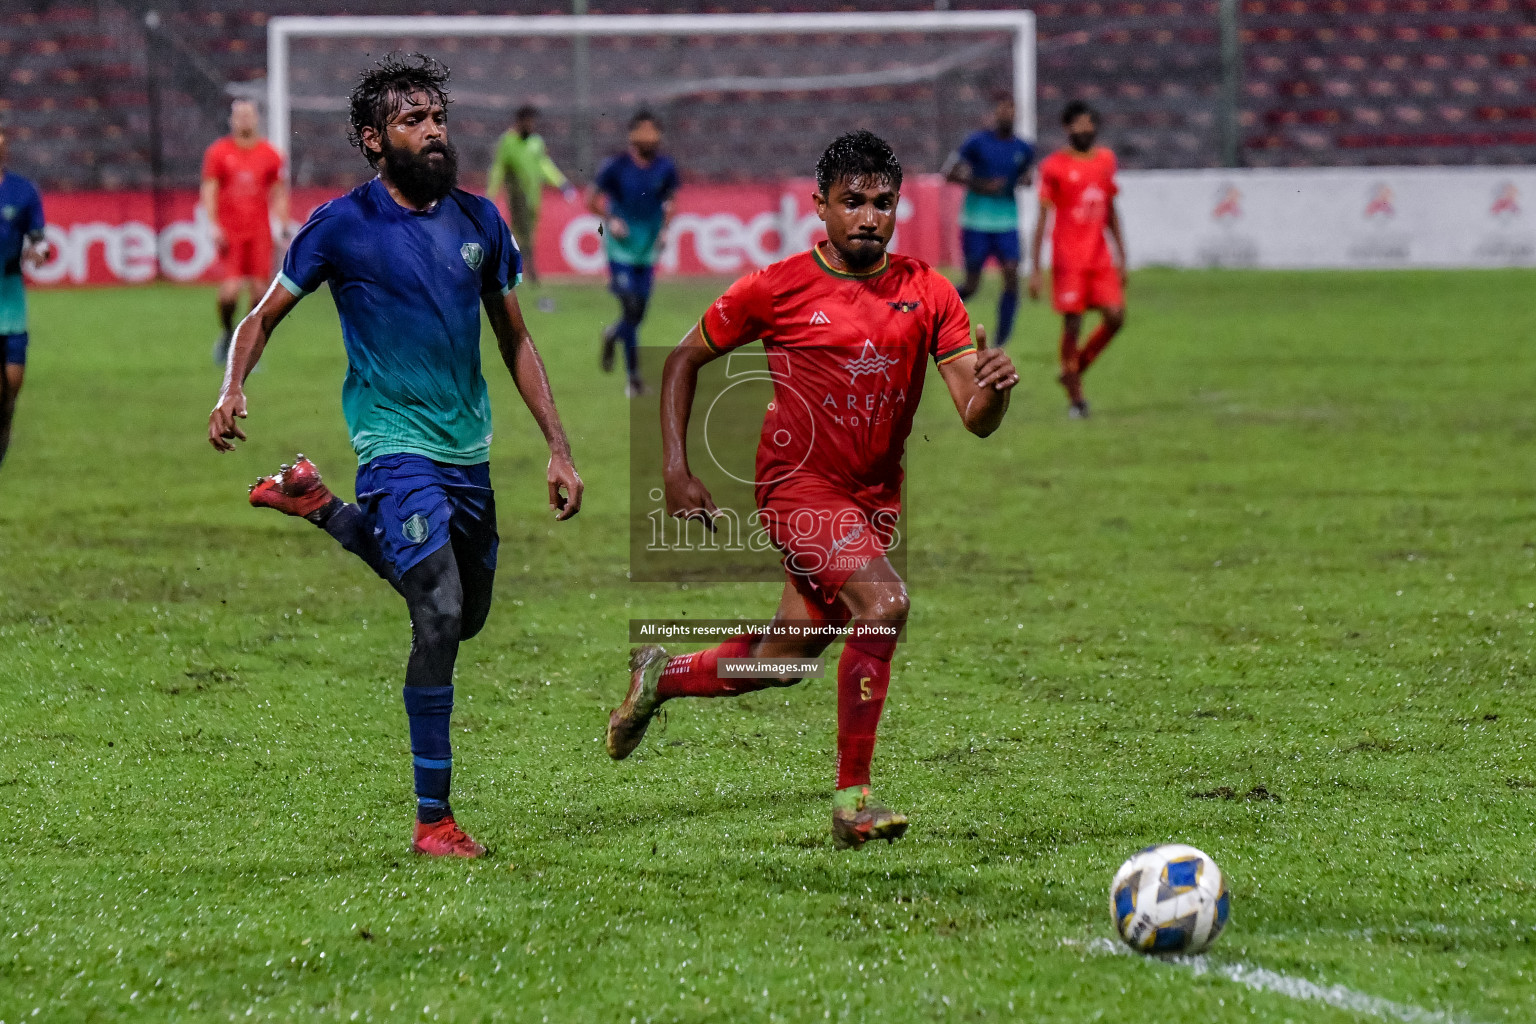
{"points": [[1079, 186], [245, 176], [848, 354]]}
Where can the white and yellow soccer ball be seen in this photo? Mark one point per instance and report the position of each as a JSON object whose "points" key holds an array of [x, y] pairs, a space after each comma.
{"points": [[1169, 899]]}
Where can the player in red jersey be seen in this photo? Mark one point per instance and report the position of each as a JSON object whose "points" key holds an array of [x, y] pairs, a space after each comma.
{"points": [[850, 329], [242, 187], [1078, 185]]}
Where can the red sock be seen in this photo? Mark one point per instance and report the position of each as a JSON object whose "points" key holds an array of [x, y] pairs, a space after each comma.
{"points": [[694, 675], [863, 676], [1098, 341]]}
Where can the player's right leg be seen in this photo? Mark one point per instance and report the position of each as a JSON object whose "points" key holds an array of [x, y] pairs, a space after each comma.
{"points": [[525, 226], [620, 284], [13, 367], [1070, 299], [973, 252], [1005, 247], [633, 301], [227, 302], [239, 251]]}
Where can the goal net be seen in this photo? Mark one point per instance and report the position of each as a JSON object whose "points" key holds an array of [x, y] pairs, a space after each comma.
{"points": [[741, 97]]}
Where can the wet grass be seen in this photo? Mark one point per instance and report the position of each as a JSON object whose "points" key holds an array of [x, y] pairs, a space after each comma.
{"points": [[1275, 599]]}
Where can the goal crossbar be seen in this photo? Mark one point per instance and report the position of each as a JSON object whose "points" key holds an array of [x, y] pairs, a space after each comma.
{"points": [[281, 30]]}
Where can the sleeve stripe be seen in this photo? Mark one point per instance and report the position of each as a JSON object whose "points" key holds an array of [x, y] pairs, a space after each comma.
{"points": [[950, 357], [704, 332], [293, 288]]}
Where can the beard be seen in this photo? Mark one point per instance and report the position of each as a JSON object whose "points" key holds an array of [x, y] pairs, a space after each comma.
{"points": [[422, 178], [1082, 141]]}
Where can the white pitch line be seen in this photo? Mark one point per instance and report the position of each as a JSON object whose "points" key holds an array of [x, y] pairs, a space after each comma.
{"points": [[1262, 979]]}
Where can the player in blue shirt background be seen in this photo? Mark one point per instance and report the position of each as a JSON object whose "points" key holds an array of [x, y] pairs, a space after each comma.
{"points": [[410, 260], [634, 192], [22, 243], [992, 163]]}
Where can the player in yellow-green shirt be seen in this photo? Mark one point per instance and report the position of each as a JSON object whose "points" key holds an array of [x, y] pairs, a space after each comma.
{"points": [[523, 164]]}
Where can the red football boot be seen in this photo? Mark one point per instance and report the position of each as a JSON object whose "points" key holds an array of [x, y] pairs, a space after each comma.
{"points": [[296, 490], [445, 839]]}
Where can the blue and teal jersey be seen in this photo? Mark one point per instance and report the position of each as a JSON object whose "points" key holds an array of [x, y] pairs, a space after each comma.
{"points": [[408, 287], [993, 156], [21, 214], [637, 196]]}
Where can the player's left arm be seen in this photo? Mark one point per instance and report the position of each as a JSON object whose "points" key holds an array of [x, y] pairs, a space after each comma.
{"points": [[980, 383], [527, 369], [668, 210], [979, 379], [35, 248], [1117, 235]]}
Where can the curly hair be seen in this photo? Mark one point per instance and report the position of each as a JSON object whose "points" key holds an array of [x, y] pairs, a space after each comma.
{"points": [[383, 89], [860, 154]]}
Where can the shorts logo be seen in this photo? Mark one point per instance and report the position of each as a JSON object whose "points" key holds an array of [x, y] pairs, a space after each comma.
{"points": [[415, 528], [473, 254], [903, 307]]}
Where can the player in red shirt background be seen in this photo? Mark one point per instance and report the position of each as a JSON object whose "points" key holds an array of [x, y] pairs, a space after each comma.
{"points": [[848, 329], [243, 185], [1077, 186]]}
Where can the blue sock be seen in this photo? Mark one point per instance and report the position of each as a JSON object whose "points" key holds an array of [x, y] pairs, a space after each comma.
{"points": [[629, 333], [429, 708], [1006, 307]]}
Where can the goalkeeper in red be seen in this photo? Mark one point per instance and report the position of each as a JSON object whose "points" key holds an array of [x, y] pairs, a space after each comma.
{"points": [[849, 329]]}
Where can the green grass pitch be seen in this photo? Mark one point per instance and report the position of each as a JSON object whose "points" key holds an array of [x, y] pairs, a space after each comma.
{"points": [[1276, 599]]}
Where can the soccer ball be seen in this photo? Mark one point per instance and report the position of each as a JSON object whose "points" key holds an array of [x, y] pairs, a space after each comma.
{"points": [[1169, 899]]}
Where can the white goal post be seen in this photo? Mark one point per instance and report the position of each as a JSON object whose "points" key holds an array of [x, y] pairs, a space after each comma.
{"points": [[282, 31]]}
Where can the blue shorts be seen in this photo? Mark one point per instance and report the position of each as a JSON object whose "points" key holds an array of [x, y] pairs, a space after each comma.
{"points": [[978, 245], [15, 346], [417, 505], [631, 279]]}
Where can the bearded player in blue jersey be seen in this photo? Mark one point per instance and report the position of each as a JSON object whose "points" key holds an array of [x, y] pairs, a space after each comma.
{"points": [[410, 260], [634, 192], [992, 163]]}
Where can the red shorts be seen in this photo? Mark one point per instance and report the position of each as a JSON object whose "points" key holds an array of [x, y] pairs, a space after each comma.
{"points": [[826, 536], [248, 254], [1078, 289]]}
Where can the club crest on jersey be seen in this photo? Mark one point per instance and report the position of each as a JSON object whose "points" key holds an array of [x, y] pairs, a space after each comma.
{"points": [[414, 529], [8, 212], [871, 362], [903, 307], [473, 253], [820, 319]]}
